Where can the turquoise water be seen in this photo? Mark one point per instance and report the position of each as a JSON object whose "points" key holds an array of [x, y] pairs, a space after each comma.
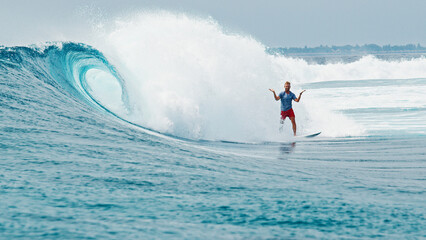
{"points": [[76, 166]]}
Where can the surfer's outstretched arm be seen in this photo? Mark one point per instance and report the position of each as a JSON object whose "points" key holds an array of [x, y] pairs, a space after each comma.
{"points": [[275, 95], [300, 95]]}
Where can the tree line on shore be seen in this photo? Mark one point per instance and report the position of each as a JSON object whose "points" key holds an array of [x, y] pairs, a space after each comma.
{"points": [[349, 49]]}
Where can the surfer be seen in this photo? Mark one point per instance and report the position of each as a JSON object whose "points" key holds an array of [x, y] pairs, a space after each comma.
{"points": [[286, 98]]}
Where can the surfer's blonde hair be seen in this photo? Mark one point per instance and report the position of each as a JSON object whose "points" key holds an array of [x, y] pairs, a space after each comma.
{"points": [[287, 83]]}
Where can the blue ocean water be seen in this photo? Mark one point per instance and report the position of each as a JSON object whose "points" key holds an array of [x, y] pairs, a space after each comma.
{"points": [[78, 163]]}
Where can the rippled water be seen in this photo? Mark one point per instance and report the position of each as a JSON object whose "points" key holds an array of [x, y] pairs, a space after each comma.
{"points": [[70, 169]]}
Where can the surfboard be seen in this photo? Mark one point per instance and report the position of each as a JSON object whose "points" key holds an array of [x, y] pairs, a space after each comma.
{"points": [[311, 135]]}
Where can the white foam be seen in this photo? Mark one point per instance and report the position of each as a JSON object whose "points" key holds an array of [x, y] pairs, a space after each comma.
{"points": [[188, 77]]}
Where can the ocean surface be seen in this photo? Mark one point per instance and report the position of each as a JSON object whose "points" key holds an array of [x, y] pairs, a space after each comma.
{"points": [[166, 129]]}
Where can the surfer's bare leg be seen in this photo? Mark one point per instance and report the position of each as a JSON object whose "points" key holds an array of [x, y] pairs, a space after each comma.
{"points": [[282, 124], [293, 122]]}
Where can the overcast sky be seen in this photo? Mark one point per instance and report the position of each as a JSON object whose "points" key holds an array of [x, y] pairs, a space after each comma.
{"points": [[273, 22]]}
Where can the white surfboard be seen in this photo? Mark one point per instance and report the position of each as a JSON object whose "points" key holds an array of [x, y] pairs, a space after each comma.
{"points": [[310, 135]]}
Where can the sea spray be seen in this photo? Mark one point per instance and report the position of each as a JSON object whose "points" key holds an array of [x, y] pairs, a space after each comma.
{"points": [[187, 76]]}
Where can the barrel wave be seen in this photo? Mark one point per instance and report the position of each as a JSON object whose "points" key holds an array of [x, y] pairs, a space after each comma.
{"points": [[64, 66], [164, 128]]}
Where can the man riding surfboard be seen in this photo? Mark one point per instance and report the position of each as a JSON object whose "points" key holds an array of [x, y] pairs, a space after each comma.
{"points": [[286, 98]]}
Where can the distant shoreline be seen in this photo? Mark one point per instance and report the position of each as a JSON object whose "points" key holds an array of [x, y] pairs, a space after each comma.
{"points": [[349, 49], [349, 53]]}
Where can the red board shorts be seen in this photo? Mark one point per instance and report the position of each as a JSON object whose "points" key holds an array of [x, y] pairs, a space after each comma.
{"points": [[289, 113]]}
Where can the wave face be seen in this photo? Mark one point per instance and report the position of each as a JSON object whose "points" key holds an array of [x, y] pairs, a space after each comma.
{"points": [[69, 68], [110, 140]]}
